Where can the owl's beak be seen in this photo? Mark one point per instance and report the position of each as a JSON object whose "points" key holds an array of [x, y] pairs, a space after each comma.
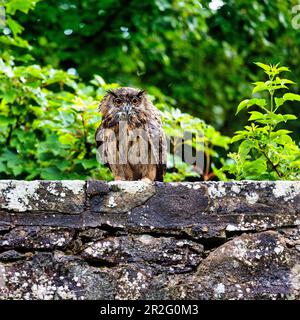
{"points": [[127, 108]]}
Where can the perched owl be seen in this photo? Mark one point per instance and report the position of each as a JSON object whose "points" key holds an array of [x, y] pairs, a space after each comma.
{"points": [[130, 139]]}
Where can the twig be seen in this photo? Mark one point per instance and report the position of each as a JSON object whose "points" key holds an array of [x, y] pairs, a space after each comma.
{"points": [[271, 163]]}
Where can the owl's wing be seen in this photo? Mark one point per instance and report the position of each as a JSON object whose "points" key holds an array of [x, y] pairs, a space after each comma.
{"points": [[99, 137], [106, 145], [158, 143]]}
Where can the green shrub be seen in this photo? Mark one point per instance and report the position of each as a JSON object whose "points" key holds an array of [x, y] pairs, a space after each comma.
{"points": [[267, 152], [48, 118]]}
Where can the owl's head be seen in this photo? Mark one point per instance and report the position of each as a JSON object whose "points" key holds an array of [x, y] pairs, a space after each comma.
{"points": [[123, 104]]}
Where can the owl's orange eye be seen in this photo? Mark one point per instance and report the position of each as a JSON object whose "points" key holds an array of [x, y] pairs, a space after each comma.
{"points": [[135, 100], [118, 101]]}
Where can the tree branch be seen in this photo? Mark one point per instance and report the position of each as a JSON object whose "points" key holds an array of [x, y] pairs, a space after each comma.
{"points": [[271, 163]]}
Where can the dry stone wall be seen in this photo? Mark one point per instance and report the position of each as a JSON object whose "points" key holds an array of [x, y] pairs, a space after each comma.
{"points": [[131, 240]]}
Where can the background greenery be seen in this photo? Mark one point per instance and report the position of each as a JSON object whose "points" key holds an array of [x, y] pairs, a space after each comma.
{"points": [[195, 58]]}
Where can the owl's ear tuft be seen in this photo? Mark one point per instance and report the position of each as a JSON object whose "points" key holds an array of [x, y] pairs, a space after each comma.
{"points": [[110, 92], [141, 93]]}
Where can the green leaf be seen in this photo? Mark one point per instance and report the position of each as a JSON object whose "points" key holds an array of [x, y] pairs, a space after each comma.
{"points": [[3, 167], [89, 163], [283, 139], [275, 87], [263, 66], [17, 170], [14, 26], [291, 97], [67, 139], [279, 102], [287, 117], [255, 169], [237, 138], [274, 119], [248, 103], [22, 5], [260, 87], [242, 105], [258, 83], [51, 174], [35, 71], [244, 148], [279, 132], [10, 95], [256, 115], [283, 81], [260, 102], [281, 69]]}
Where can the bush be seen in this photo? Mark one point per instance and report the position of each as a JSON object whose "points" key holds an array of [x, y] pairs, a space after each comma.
{"points": [[48, 119], [267, 152]]}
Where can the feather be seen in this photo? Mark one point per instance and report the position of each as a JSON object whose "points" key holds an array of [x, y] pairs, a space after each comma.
{"points": [[116, 153], [141, 93], [111, 92]]}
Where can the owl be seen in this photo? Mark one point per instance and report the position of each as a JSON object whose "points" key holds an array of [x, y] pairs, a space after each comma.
{"points": [[130, 139]]}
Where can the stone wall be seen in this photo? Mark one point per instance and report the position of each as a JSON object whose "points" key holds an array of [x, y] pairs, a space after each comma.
{"points": [[130, 240]]}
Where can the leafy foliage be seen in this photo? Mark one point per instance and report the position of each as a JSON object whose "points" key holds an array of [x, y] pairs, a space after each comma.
{"points": [[176, 124], [267, 152], [199, 55], [48, 118], [47, 125]]}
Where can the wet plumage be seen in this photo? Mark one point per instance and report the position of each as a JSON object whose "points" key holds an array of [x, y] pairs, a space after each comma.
{"points": [[130, 139]]}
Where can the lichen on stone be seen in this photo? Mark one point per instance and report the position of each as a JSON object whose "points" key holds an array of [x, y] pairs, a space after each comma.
{"points": [[252, 197], [287, 190], [216, 190], [75, 186], [18, 194]]}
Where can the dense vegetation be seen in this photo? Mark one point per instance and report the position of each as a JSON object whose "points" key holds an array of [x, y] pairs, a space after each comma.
{"points": [[195, 61]]}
